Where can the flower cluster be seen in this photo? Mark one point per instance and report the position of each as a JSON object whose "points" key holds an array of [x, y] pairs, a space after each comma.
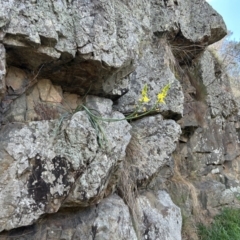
{"points": [[144, 98], [96, 119], [160, 97]]}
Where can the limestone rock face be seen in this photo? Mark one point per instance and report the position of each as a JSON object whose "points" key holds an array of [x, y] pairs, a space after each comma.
{"points": [[208, 153], [42, 101], [90, 44], [219, 96], [88, 40], [2, 70], [95, 179], [218, 112], [154, 70], [153, 141], [198, 25], [70, 73], [161, 217], [42, 160], [109, 220]]}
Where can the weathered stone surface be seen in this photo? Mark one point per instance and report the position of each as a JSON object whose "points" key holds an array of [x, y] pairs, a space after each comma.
{"points": [[112, 49], [16, 80], [91, 43], [46, 158], [161, 218], [43, 101], [33, 99], [17, 110], [153, 69], [206, 172], [97, 33], [108, 220], [47, 91], [210, 105], [206, 149], [190, 21], [217, 146], [93, 31], [219, 95], [95, 179], [71, 101], [153, 142], [2, 70], [113, 220], [214, 194]]}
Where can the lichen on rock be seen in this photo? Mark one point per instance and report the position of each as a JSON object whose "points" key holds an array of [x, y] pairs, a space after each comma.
{"points": [[101, 179]]}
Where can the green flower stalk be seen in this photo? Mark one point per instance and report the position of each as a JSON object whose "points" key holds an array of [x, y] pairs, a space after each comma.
{"points": [[144, 99], [95, 120]]}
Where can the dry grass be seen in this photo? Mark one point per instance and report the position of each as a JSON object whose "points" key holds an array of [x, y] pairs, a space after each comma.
{"points": [[128, 191], [189, 230], [127, 185], [185, 53]]}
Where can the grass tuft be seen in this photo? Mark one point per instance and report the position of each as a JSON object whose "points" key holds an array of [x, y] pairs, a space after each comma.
{"points": [[226, 226]]}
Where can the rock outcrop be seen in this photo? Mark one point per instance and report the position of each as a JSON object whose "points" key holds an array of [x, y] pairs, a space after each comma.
{"points": [[110, 219], [73, 164], [47, 160], [206, 172]]}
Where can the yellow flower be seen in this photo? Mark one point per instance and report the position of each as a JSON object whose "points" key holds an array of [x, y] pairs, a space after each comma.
{"points": [[144, 98], [162, 95]]}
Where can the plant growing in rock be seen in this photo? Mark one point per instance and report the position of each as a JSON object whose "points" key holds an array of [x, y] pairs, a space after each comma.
{"points": [[96, 119], [144, 99]]}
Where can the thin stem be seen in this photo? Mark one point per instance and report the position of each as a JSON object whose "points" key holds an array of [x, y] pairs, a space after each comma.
{"points": [[129, 117]]}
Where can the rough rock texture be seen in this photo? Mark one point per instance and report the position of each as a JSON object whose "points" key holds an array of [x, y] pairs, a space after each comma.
{"points": [[60, 62], [153, 141], [42, 160], [110, 219], [193, 21], [219, 96], [80, 43], [84, 43], [161, 217], [43, 101], [154, 69], [206, 174], [2, 70], [90, 186]]}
